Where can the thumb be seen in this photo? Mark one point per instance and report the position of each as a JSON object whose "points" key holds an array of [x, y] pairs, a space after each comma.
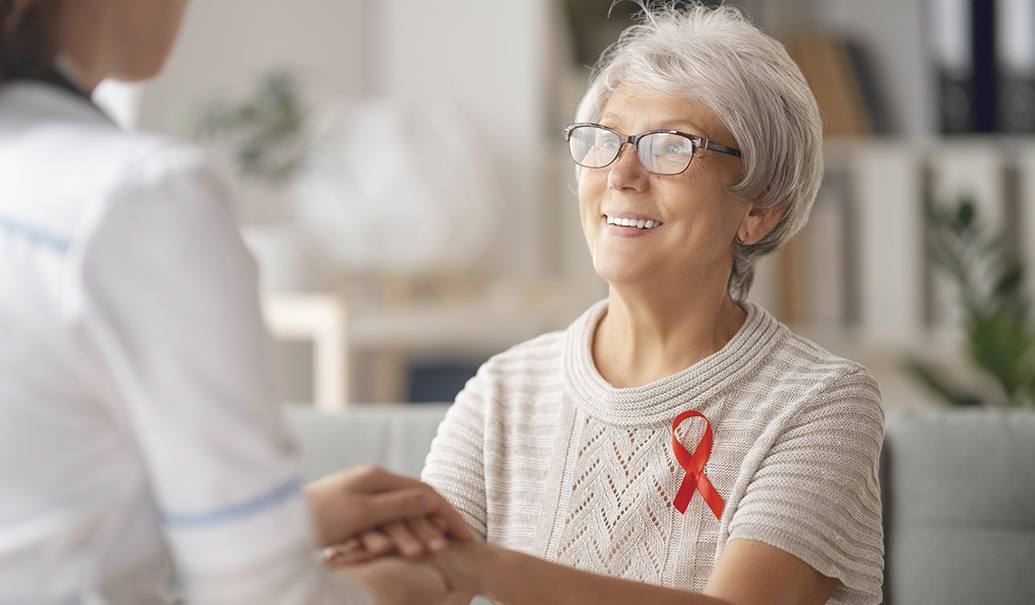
{"points": [[398, 505]]}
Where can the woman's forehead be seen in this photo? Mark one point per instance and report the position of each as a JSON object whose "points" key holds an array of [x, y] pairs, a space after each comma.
{"points": [[641, 109]]}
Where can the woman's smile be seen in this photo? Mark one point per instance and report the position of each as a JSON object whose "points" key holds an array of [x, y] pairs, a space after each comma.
{"points": [[630, 225]]}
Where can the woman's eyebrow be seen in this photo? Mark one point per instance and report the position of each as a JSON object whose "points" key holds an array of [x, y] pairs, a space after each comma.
{"points": [[680, 124]]}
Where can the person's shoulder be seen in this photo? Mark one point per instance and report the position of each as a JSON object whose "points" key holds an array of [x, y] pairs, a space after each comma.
{"points": [[153, 180], [802, 362], [795, 351], [839, 384], [150, 160], [67, 135], [67, 166]]}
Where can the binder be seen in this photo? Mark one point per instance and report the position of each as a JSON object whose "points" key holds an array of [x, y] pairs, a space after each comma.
{"points": [[1015, 64], [951, 49]]}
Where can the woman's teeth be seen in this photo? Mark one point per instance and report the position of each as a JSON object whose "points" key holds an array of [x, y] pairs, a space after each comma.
{"points": [[631, 222]]}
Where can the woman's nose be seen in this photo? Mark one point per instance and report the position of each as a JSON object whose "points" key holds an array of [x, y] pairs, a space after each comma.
{"points": [[627, 171]]}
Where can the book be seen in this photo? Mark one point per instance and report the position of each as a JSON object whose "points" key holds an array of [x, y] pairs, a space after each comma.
{"points": [[828, 66]]}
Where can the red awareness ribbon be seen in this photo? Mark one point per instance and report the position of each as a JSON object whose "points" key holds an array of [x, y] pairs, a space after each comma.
{"points": [[694, 467]]}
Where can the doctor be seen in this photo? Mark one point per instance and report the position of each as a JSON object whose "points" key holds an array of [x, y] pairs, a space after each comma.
{"points": [[138, 433]]}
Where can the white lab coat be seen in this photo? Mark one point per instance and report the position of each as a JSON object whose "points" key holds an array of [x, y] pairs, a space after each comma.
{"points": [[138, 433]]}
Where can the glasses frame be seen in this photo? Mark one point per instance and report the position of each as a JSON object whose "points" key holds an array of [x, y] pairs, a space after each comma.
{"points": [[634, 139]]}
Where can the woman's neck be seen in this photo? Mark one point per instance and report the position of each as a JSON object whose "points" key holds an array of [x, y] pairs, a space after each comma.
{"points": [[646, 336], [71, 70], [84, 40]]}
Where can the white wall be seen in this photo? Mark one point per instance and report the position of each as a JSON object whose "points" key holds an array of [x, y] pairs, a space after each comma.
{"points": [[493, 59], [226, 45]]}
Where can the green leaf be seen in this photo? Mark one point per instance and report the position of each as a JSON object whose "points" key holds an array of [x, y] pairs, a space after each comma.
{"points": [[965, 215], [1001, 346], [952, 394], [1010, 281]]}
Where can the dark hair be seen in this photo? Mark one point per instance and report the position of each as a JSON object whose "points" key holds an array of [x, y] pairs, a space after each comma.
{"points": [[27, 44]]}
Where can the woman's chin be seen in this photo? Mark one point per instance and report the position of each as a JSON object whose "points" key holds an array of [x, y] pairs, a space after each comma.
{"points": [[620, 275]]}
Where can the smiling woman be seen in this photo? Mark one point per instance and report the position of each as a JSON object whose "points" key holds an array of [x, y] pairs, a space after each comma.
{"points": [[676, 444]]}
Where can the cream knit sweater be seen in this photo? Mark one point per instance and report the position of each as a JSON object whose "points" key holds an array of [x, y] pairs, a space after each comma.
{"points": [[542, 455]]}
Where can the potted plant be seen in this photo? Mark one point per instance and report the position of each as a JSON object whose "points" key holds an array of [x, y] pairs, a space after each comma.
{"points": [[999, 336], [263, 140]]}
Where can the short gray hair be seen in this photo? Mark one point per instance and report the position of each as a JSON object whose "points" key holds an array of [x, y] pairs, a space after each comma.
{"points": [[718, 59]]}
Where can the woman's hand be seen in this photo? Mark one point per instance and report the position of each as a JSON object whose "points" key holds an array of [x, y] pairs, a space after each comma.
{"points": [[410, 539], [469, 568], [395, 581], [409, 516]]}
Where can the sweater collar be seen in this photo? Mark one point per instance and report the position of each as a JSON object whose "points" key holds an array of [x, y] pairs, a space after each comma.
{"points": [[658, 401]]}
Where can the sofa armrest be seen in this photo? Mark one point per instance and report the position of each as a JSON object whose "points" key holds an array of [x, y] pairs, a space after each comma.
{"points": [[959, 506], [394, 436]]}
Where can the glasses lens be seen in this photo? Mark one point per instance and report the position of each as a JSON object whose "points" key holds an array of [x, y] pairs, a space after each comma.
{"points": [[593, 147], [664, 153]]}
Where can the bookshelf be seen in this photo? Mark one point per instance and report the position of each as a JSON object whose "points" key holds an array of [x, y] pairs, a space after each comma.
{"points": [[857, 279]]}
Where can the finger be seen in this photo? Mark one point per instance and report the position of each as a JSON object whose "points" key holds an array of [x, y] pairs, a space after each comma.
{"points": [[344, 559], [413, 503], [440, 523], [404, 540], [349, 551], [451, 523], [372, 479], [443, 526], [349, 547], [402, 504], [376, 542], [432, 538]]}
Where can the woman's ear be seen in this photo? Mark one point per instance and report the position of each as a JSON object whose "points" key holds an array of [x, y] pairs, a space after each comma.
{"points": [[758, 223]]}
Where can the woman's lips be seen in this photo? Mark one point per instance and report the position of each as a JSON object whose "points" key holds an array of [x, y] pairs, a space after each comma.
{"points": [[632, 222]]}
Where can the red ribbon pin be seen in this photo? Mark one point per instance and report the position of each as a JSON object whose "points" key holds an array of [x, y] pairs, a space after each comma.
{"points": [[694, 467]]}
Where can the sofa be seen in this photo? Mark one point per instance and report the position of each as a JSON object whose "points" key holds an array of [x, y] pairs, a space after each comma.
{"points": [[958, 493], [958, 490]]}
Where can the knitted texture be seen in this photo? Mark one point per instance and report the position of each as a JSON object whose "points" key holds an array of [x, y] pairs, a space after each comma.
{"points": [[542, 455]]}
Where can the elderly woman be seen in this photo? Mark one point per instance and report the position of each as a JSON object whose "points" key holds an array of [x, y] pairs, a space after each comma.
{"points": [[676, 444]]}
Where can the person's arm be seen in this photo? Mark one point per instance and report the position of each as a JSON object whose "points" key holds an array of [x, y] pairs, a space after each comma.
{"points": [[455, 465], [169, 303], [748, 573], [353, 501]]}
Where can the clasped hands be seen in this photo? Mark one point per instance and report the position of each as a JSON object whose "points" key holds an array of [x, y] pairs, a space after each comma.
{"points": [[392, 534]]}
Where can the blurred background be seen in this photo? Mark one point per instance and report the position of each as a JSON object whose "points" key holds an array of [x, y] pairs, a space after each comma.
{"points": [[402, 181]]}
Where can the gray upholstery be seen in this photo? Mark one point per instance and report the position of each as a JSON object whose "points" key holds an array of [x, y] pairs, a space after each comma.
{"points": [[958, 488], [396, 437], [959, 507]]}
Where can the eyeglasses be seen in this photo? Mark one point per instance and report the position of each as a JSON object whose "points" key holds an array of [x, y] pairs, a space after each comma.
{"points": [[665, 152]]}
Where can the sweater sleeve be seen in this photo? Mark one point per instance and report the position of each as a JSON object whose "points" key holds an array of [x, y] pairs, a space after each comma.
{"points": [[816, 493], [455, 466]]}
